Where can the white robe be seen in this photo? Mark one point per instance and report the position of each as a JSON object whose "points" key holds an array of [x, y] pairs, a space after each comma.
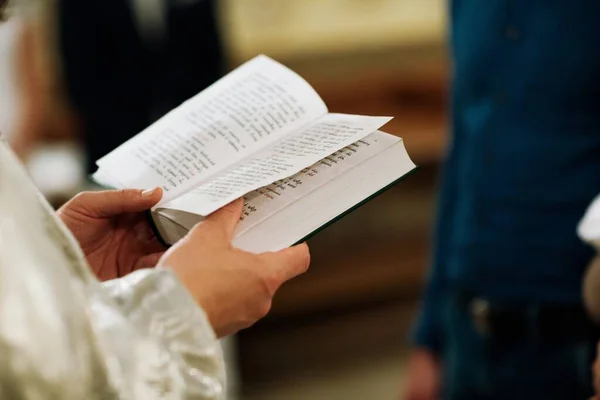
{"points": [[64, 335]]}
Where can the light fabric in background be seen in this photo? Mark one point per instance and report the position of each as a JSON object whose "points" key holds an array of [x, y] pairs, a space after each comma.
{"points": [[9, 95], [589, 227]]}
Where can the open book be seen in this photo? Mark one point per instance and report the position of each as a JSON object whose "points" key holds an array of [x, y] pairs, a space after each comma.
{"points": [[263, 133]]}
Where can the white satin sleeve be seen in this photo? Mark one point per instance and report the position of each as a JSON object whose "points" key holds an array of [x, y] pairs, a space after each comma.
{"points": [[168, 320], [141, 337]]}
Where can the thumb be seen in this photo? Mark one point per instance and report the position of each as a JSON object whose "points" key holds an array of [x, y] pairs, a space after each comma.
{"points": [[115, 202], [290, 262], [226, 218]]}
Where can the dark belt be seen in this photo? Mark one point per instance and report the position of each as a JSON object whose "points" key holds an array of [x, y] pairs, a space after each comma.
{"points": [[543, 321]]}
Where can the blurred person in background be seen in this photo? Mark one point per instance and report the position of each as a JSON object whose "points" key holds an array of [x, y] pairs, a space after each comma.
{"points": [[126, 63], [20, 78], [502, 316]]}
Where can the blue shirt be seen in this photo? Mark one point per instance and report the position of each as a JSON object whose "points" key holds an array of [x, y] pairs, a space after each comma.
{"points": [[524, 160]]}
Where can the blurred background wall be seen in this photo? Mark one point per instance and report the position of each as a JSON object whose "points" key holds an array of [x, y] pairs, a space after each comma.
{"points": [[341, 330]]}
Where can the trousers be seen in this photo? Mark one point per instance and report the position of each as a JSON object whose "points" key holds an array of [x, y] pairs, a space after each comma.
{"points": [[479, 366]]}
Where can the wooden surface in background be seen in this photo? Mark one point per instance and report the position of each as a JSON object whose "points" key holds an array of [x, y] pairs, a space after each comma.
{"points": [[409, 84], [277, 355], [290, 28]]}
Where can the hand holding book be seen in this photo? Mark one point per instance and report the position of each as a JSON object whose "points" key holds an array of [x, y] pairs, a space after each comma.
{"points": [[259, 125]]}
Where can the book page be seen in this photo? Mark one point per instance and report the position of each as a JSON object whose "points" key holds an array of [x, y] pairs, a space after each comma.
{"points": [[255, 105], [284, 158]]}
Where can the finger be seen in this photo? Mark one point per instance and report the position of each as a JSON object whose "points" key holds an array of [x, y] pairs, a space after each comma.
{"points": [[115, 202], [290, 262], [227, 218]]}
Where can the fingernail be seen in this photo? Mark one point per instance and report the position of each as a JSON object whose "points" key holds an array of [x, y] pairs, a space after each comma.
{"points": [[148, 192]]}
